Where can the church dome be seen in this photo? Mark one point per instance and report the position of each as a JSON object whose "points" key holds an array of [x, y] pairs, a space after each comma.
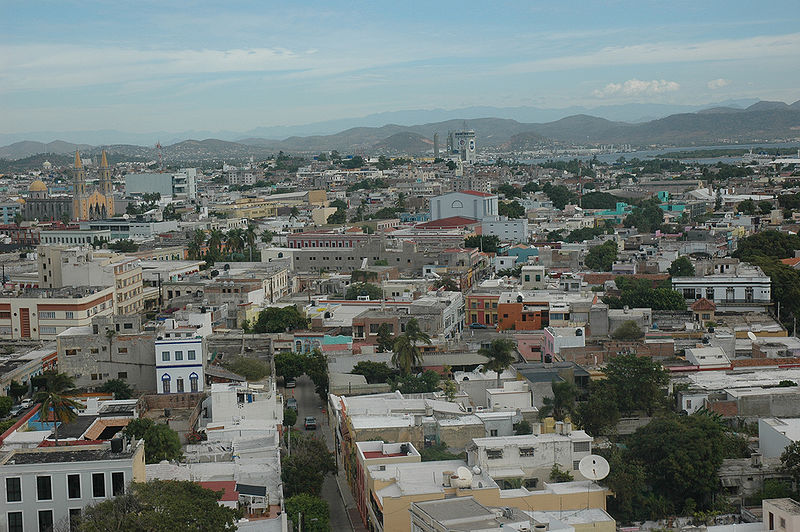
{"points": [[37, 186]]}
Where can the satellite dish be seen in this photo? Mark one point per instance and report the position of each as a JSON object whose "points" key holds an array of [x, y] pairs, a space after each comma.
{"points": [[464, 474], [752, 336], [594, 467]]}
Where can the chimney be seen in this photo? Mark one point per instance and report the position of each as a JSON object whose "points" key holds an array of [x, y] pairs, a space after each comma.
{"points": [[559, 427], [755, 459], [567, 427]]}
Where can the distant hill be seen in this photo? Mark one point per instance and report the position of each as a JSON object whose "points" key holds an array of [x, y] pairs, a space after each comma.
{"points": [[18, 150], [404, 143]]}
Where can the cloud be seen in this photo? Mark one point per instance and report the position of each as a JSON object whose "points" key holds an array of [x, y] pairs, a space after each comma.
{"points": [[637, 87], [718, 83]]}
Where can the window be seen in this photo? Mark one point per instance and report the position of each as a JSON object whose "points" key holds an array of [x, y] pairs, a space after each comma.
{"points": [[13, 489], [122, 375], [15, 522], [165, 384], [122, 350], [581, 446], [493, 433], [373, 328], [179, 385], [191, 355], [47, 315], [494, 454], [98, 485], [526, 451], [69, 314], [74, 515], [127, 325], [45, 520], [165, 356], [178, 355], [74, 486], [44, 488], [575, 464], [193, 382], [117, 483]]}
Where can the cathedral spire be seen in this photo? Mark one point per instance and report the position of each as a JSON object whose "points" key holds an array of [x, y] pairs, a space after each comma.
{"points": [[78, 162], [104, 161]]}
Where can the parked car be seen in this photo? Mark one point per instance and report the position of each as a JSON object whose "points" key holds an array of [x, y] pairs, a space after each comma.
{"points": [[310, 423], [26, 403], [477, 326], [16, 410], [291, 383], [291, 403]]}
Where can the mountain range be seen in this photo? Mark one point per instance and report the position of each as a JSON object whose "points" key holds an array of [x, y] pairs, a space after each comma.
{"points": [[760, 122]]}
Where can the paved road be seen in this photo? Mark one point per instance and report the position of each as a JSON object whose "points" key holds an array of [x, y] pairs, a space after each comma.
{"points": [[309, 404]]}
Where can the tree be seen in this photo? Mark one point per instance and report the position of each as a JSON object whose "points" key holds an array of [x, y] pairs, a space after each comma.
{"points": [[638, 382], [294, 213], [522, 428], [17, 390], [235, 240], [338, 217], [765, 206], [425, 382], [160, 441], [767, 243], [355, 290], [289, 417], [215, 239], [559, 195], [54, 401], [161, 506], [251, 369], [437, 452], [280, 319], [447, 283], [5, 406], [267, 236], [356, 161], [790, 462], [500, 354], [304, 471], [600, 200], [289, 365], [627, 479], [562, 404], [405, 354], [559, 475], [747, 207], [123, 246], [531, 187], [314, 511], [628, 330], [512, 209], [196, 244], [601, 258], [681, 267], [599, 412], [250, 238], [374, 372], [584, 233], [118, 387], [718, 200], [18, 219], [316, 365], [646, 218], [509, 191], [385, 338], [415, 333], [487, 244]]}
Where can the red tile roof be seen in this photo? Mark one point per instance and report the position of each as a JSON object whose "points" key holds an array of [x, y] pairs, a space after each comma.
{"points": [[448, 223], [791, 261], [228, 488], [703, 304], [476, 193]]}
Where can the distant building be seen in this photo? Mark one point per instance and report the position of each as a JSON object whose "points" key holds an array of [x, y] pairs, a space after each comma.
{"points": [[465, 204], [179, 185]]}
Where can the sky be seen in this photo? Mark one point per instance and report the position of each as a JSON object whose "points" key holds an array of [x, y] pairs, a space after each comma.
{"points": [[175, 66]]}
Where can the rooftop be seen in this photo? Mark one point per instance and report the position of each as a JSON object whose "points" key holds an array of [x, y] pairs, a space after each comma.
{"points": [[54, 455]]}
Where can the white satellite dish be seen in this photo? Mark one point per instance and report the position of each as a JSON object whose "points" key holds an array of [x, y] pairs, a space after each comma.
{"points": [[594, 467], [464, 474], [752, 336]]}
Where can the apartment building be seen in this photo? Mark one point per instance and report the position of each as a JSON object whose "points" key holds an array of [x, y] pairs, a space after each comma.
{"points": [[181, 355], [43, 313], [48, 487]]}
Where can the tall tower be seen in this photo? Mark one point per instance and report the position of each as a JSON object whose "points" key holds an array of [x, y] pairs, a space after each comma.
{"points": [[106, 187], [78, 189]]}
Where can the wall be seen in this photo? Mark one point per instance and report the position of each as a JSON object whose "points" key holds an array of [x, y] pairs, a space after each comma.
{"points": [[771, 443]]}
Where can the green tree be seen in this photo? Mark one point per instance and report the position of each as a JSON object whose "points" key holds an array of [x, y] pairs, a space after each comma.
{"points": [[600, 411], [5, 406], [195, 247], [512, 209], [304, 471], [118, 387], [250, 236], [55, 402], [267, 236], [356, 161], [235, 240], [123, 246], [718, 200], [251, 369], [522, 428], [628, 330], [314, 511], [215, 240], [161, 506], [374, 292], [426, 382], [289, 365], [747, 207], [638, 382], [374, 372], [531, 187], [338, 217], [509, 191], [584, 233], [17, 390], [280, 319], [601, 258], [600, 200], [559, 475], [160, 441], [627, 479], [646, 218], [385, 338], [437, 452], [681, 267], [406, 354], [500, 354], [289, 417], [767, 243], [316, 365], [765, 206], [562, 404], [790, 462], [559, 195], [487, 244], [447, 283]]}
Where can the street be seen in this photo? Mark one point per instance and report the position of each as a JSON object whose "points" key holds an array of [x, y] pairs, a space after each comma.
{"points": [[309, 404]]}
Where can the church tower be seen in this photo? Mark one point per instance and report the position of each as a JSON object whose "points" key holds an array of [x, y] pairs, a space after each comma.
{"points": [[106, 188], [78, 189]]}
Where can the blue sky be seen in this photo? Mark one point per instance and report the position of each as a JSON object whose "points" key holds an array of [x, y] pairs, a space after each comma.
{"points": [[146, 66]]}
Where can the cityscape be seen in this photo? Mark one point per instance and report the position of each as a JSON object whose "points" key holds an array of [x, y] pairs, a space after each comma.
{"points": [[325, 268]]}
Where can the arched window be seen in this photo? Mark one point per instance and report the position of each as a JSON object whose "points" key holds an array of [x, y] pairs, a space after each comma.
{"points": [[193, 378], [165, 378], [457, 205]]}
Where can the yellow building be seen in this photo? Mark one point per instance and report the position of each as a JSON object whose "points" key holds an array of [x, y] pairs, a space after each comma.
{"points": [[249, 208], [97, 204]]}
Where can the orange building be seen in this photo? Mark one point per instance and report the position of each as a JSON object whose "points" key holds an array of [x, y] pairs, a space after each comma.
{"points": [[523, 315]]}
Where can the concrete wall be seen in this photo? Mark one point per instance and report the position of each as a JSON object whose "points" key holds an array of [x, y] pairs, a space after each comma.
{"points": [[771, 442]]}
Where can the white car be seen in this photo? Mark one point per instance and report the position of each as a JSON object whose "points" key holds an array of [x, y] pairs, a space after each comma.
{"points": [[26, 403]]}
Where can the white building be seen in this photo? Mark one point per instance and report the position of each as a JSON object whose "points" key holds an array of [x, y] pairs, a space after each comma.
{"points": [[746, 289], [243, 410], [532, 277], [44, 488], [707, 357], [507, 229], [180, 354], [466, 204], [180, 185], [557, 338], [775, 434], [514, 395]]}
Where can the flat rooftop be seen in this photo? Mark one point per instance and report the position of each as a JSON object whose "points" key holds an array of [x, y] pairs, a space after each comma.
{"points": [[55, 455]]}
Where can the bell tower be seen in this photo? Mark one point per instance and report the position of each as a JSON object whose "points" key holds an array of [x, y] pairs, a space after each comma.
{"points": [[78, 189]]}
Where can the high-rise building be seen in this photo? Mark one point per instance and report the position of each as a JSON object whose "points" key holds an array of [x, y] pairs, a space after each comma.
{"points": [[464, 145]]}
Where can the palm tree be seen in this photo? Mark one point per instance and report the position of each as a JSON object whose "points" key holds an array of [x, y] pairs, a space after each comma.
{"points": [[416, 334], [500, 354], [561, 404], [250, 238], [215, 239], [266, 236], [405, 354], [294, 213], [235, 239], [196, 244], [55, 398]]}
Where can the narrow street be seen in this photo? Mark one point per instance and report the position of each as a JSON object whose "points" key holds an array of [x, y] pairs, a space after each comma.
{"points": [[309, 404]]}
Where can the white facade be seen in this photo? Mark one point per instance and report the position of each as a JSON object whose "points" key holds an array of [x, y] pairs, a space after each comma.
{"points": [[514, 395], [707, 357], [504, 262], [532, 277], [775, 434], [507, 229], [748, 286], [557, 338], [468, 204], [244, 410], [179, 365]]}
